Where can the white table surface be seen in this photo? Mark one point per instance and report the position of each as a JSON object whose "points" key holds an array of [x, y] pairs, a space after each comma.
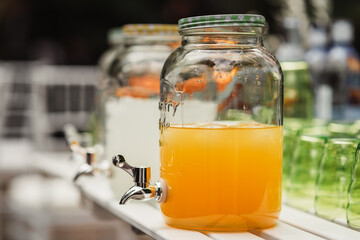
{"points": [[292, 225]]}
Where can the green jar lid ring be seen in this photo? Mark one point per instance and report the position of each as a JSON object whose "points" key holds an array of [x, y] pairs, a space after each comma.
{"points": [[222, 20]]}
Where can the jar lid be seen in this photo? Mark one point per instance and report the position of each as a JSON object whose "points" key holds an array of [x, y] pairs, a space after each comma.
{"points": [[150, 29], [222, 20]]}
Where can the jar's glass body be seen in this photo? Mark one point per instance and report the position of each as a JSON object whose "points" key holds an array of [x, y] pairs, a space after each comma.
{"points": [[131, 108], [221, 131], [107, 62]]}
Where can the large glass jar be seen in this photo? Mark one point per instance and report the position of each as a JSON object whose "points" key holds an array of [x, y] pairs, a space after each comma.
{"points": [[131, 107], [110, 56], [108, 60], [221, 106]]}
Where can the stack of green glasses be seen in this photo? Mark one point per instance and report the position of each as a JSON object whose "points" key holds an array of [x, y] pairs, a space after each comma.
{"points": [[334, 177], [321, 169], [303, 167]]}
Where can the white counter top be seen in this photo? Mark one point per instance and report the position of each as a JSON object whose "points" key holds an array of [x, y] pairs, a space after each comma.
{"points": [[293, 224]]}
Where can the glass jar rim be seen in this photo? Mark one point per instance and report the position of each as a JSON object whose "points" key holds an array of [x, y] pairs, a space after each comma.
{"points": [[150, 30], [222, 20], [115, 36], [344, 140], [314, 138]]}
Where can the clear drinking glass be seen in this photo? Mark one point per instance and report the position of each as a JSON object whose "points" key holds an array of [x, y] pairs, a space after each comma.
{"points": [[334, 177], [353, 207]]}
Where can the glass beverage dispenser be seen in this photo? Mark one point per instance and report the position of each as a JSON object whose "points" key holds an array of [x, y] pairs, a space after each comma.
{"points": [[132, 97], [107, 61], [221, 98]]}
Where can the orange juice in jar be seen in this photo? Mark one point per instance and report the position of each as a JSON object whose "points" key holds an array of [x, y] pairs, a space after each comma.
{"points": [[222, 177], [221, 100]]}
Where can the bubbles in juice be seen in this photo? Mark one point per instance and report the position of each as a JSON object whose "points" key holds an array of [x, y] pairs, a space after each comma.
{"points": [[222, 176]]}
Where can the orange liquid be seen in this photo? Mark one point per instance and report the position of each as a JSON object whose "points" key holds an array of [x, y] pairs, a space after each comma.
{"points": [[222, 179]]}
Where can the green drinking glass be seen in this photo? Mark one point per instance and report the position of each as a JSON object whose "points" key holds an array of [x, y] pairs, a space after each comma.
{"points": [[353, 207], [303, 168], [340, 129], [298, 95], [334, 177], [292, 126]]}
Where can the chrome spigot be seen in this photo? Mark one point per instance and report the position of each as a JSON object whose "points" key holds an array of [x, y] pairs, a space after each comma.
{"points": [[72, 135], [90, 167], [88, 156], [73, 140], [142, 190], [87, 168]]}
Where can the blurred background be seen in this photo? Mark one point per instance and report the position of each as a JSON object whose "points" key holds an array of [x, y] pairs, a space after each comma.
{"points": [[49, 58], [74, 32]]}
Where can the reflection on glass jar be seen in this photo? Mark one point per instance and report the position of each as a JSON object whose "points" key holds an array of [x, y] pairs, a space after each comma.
{"points": [[131, 107], [221, 126], [334, 177]]}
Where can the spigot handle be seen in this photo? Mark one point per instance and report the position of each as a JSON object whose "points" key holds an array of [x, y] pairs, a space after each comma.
{"points": [[141, 175], [90, 156], [142, 190], [119, 161], [71, 134]]}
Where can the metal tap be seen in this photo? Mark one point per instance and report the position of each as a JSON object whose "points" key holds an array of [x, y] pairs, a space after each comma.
{"points": [[142, 190], [73, 140], [87, 168], [88, 156], [90, 167]]}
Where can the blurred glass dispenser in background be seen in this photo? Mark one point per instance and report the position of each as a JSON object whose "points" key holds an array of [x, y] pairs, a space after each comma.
{"points": [[91, 155], [107, 62], [132, 98], [298, 94], [109, 58], [343, 73]]}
